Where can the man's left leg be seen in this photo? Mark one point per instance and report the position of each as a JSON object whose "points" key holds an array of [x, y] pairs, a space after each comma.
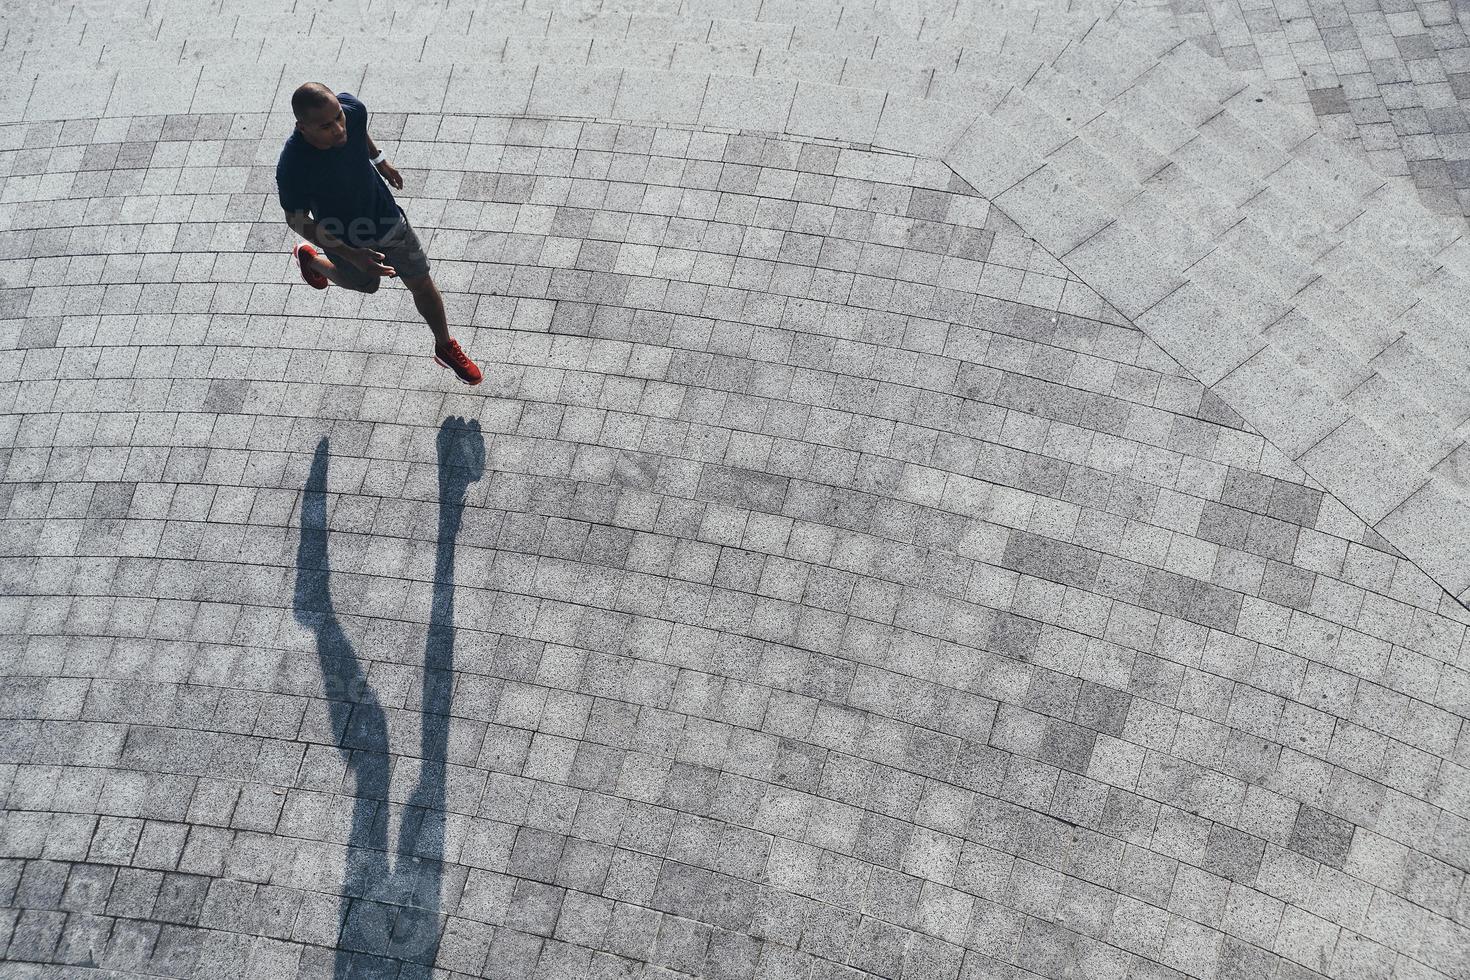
{"points": [[447, 352], [430, 305]]}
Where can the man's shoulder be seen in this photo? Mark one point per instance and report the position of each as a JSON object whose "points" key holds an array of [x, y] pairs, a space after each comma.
{"points": [[350, 103], [290, 149], [292, 161]]}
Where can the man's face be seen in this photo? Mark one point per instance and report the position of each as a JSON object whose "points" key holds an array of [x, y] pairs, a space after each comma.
{"points": [[324, 127]]}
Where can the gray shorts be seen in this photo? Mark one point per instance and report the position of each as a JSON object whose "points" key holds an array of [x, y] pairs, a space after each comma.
{"points": [[401, 250]]}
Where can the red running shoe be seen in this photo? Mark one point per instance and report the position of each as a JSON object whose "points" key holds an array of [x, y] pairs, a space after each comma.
{"points": [[452, 356], [313, 278]]}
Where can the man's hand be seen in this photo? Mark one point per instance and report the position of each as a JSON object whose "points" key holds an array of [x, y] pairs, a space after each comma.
{"points": [[369, 261], [391, 175]]}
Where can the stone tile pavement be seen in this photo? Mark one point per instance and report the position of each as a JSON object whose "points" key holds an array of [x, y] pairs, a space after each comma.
{"points": [[852, 588], [1264, 254], [1392, 77]]}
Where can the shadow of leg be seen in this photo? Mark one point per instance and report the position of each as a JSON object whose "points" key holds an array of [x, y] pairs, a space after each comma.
{"points": [[419, 865], [358, 724]]}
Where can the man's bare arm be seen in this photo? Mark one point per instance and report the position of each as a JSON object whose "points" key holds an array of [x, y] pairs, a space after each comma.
{"points": [[388, 171]]}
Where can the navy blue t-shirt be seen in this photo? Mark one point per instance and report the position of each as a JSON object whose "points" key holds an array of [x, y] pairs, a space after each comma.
{"points": [[339, 186]]}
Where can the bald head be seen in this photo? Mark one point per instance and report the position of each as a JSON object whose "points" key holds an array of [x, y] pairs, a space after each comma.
{"points": [[309, 97], [319, 116]]}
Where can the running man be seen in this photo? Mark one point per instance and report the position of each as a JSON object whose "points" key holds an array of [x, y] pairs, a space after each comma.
{"points": [[333, 185]]}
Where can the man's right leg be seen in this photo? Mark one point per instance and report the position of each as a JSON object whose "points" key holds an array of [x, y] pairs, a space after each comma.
{"points": [[339, 271]]}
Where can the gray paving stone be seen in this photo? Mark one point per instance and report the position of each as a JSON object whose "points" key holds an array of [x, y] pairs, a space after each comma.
{"points": [[1321, 836], [893, 612], [35, 936], [1053, 560]]}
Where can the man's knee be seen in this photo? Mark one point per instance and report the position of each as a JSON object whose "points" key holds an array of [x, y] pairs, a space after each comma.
{"points": [[419, 284], [368, 286]]}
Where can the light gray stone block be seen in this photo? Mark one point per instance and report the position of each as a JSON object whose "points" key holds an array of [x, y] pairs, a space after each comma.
{"points": [[826, 110], [1363, 467], [739, 103]]}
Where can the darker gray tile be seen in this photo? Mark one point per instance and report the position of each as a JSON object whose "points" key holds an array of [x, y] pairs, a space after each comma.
{"points": [[476, 187], [1446, 120], [882, 840], [1239, 958], [42, 884], [1052, 693], [1107, 414], [1233, 854], [1287, 585], [1212, 408], [39, 333], [1031, 395], [182, 126], [1119, 578], [973, 244], [181, 898], [134, 893], [1223, 525], [1372, 539], [1415, 47], [176, 952], [1270, 538], [111, 500], [1166, 592], [1045, 475], [1014, 636], [1191, 600], [1321, 836], [931, 957], [36, 935], [598, 256], [1247, 490], [513, 188], [818, 159], [1088, 488], [1294, 503], [929, 205], [1050, 559], [1132, 499], [14, 303], [536, 855], [99, 156], [1102, 709], [1213, 606], [1067, 746], [226, 395], [749, 489], [681, 889], [828, 678], [1328, 101]]}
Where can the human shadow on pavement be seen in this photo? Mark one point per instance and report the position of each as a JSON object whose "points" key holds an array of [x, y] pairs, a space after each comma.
{"points": [[389, 914]]}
